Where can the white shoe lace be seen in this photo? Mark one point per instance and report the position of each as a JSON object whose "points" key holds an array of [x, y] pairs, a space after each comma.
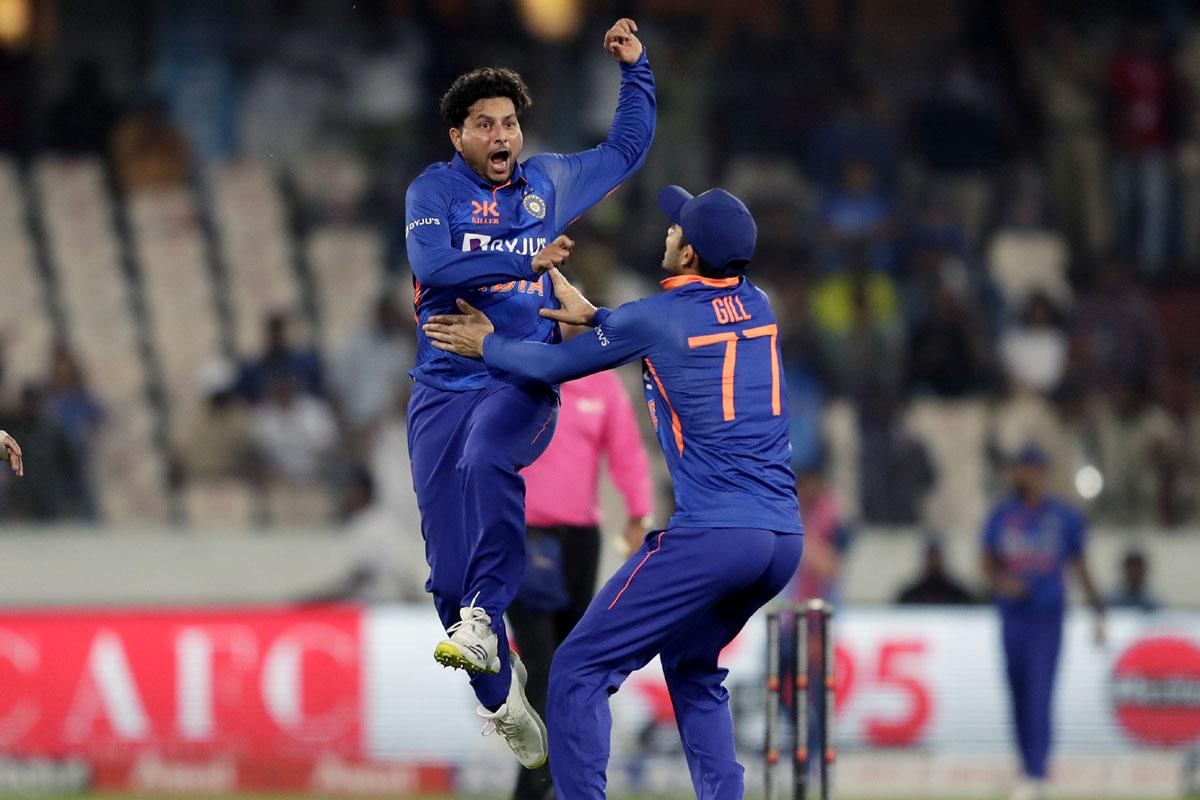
{"points": [[504, 723], [469, 614]]}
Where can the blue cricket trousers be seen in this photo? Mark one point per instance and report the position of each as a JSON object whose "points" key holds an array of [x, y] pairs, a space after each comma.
{"points": [[466, 450], [1032, 639], [684, 595]]}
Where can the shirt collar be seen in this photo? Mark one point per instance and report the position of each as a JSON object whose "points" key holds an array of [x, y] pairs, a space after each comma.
{"points": [[675, 281], [457, 163]]}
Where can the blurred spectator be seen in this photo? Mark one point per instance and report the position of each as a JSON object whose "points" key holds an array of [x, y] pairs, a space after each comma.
{"points": [[148, 151], [935, 585], [1068, 76], [1034, 350], [1142, 96], [949, 355], [369, 374], [1134, 590], [827, 538], [1188, 64], [856, 317], [51, 464], [83, 119], [380, 571], [957, 131], [896, 469], [216, 442], [279, 358], [1026, 256], [294, 433], [1117, 335], [861, 128], [79, 415], [1135, 448], [860, 212]]}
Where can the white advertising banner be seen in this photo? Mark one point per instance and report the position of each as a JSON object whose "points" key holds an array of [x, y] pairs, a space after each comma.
{"points": [[909, 682]]}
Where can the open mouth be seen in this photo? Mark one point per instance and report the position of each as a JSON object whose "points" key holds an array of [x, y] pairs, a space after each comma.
{"points": [[499, 161]]}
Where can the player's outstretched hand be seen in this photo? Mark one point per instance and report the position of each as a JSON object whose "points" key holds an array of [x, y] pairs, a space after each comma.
{"points": [[576, 310], [460, 333], [12, 452], [553, 255], [621, 41]]}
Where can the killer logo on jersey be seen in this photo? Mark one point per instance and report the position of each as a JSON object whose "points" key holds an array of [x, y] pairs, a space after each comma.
{"points": [[1156, 691], [535, 205]]}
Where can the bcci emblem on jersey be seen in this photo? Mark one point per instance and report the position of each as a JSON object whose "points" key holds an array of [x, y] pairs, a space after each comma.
{"points": [[535, 205]]}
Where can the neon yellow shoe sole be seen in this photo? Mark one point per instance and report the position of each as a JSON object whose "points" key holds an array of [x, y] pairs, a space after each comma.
{"points": [[448, 655]]}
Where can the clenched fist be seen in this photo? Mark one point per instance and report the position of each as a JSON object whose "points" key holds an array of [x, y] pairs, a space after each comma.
{"points": [[621, 41], [553, 255]]}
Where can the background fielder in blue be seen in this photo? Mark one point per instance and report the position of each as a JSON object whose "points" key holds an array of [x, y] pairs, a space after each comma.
{"points": [[714, 386], [1029, 540], [485, 225]]}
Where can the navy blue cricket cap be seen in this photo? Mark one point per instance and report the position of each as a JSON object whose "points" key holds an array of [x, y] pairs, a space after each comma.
{"points": [[1031, 455], [715, 223]]}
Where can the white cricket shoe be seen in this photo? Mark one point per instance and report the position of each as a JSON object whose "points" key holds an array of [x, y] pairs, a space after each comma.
{"points": [[472, 644], [517, 722], [1029, 790]]}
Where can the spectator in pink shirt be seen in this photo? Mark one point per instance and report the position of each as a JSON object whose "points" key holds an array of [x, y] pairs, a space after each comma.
{"points": [[562, 516]]}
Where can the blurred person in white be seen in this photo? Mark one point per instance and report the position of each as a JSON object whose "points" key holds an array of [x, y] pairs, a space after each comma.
{"points": [[294, 432], [80, 416], [382, 568], [1029, 541], [1034, 350], [214, 443], [1133, 592], [1026, 255], [369, 372]]}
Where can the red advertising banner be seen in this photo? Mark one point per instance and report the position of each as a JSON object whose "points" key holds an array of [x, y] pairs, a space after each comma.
{"points": [[257, 684]]}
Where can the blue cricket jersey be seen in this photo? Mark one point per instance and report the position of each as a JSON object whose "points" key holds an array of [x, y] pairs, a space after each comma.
{"points": [[465, 234], [1035, 545], [714, 385]]}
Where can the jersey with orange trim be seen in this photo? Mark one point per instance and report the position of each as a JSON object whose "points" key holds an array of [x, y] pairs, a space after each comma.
{"points": [[468, 238], [713, 379]]}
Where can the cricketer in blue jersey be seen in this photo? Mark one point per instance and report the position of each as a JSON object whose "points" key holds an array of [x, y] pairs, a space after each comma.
{"points": [[487, 226], [712, 371], [1029, 540]]}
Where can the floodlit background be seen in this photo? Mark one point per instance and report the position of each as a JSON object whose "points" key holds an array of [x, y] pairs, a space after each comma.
{"points": [[979, 223]]}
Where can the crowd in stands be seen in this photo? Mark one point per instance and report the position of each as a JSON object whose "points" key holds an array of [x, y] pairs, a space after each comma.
{"points": [[981, 228]]}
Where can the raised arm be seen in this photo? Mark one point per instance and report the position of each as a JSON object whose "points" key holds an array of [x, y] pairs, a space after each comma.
{"points": [[436, 262], [583, 179]]}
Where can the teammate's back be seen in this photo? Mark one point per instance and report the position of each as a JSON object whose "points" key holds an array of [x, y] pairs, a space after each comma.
{"points": [[714, 385]]}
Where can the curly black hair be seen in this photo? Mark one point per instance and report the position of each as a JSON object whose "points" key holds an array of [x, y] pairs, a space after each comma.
{"points": [[480, 84]]}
